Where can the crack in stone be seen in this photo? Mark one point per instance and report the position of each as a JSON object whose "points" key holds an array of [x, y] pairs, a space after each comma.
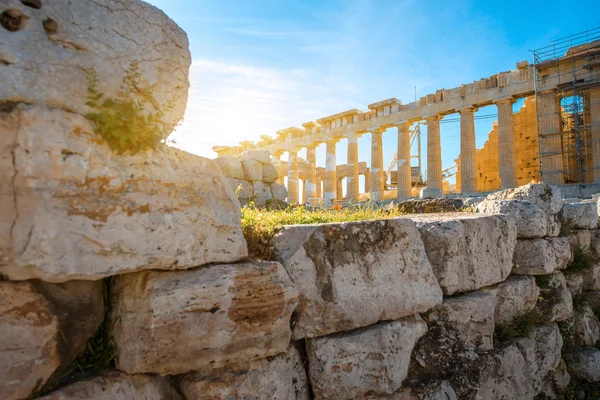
{"points": [[14, 177]]}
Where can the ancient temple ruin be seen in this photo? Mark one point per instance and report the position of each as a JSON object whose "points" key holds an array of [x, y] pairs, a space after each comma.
{"points": [[554, 140]]}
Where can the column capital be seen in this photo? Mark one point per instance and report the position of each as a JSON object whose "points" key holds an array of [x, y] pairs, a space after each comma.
{"points": [[376, 131], [312, 146], [354, 134], [547, 91], [467, 109], [405, 122], [510, 100], [434, 117]]}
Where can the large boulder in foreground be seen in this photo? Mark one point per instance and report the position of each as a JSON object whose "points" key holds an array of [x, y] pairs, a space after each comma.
{"points": [[468, 251], [282, 377], [43, 327], [118, 386], [70, 208], [531, 221], [45, 57], [354, 274], [178, 321], [370, 361]]}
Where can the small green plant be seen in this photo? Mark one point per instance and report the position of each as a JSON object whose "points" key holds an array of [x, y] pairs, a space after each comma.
{"points": [[126, 122], [582, 261], [543, 281], [521, 326], [580, 302]]}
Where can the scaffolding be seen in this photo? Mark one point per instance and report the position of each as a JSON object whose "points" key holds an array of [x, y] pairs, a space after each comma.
{"points": [[568, 65], [416, 176]]}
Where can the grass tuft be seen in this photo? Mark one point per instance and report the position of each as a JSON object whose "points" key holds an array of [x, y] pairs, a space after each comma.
{"points": [[582, 261], [521, 326]]}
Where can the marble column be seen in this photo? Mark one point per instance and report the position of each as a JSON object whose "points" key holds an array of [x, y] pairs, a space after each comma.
{"points": [[368, 181], [377, 165], [551, 141], [468, 150], [304, 193], [339, 189], [319, 191], [293, 177], [594, 99], [434, 153], [311, 177], [506, 144], [330, 173], [404, 171], [352, 189]]}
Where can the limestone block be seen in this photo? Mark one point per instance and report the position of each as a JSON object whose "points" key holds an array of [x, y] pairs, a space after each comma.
{"points": [[591, 278], [354, 274], [531, 221], [580, 238], [117, 386], [585, 327], [279, 192], [581, 215], [45, 61], [593, 298], [175, 322], [595, 243], [473, 201], [269, 173], [433, 391], [513, 296], [262, 193], [545, 197], [73, 209], [252, 170], [371, 361], [555, 302], [34, 318], [584, 364], [242, 189], [574, 283], [470, 317], [282, 377], [541, 256], [262, 156], [554, 225], [431, 193], [231, 167], [468, 251]]}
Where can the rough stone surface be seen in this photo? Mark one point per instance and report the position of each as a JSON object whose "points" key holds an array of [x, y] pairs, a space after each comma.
{"points": [[252, 170], [584, 364], [262, 193], [282, 377], [531, 221], [354, 274], [595, 242], [555, 302], [541, 256], [34, 318], [47, 66], [433, 391], [269, 173], [468, 251], [279, 192], [118, 386], [574, 283], [513, 296], [70, 208], [470, 317], [242, 189], [582, 215], [175, 322], [580, 238], [371, 361], [473, 201], [591, 278], [262, 156], [585, 327], [431, 193], [547, 198], [231, 167]]}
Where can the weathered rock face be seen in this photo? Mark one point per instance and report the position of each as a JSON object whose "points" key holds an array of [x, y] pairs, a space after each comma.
{"points": [[45, 60], [231, 167], [541, 256], [580, 238], [470, 317], [531, 221], [354, 274], [252, 170], [368, 362], [584, 327], [175, 322], [581, 215], [34, 319], [591, 278], [283, 377], [117, 386], [242, 189], [555, 302], [513, 296], [574, 283], [468, 251], [584, 364], [262, 156], [262, 193], [431, 193], [595, 242], [269, 173], [278, 191], [72, 209]]}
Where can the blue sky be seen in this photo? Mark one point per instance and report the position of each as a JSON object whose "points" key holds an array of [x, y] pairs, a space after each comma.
{"points": [[260, 66]]}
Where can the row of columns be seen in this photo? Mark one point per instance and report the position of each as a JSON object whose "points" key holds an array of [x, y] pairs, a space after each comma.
{"points": [[506, 155]]}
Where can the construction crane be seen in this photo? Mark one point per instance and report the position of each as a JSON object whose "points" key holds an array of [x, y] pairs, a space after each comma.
{"points": [[415, 135]]}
